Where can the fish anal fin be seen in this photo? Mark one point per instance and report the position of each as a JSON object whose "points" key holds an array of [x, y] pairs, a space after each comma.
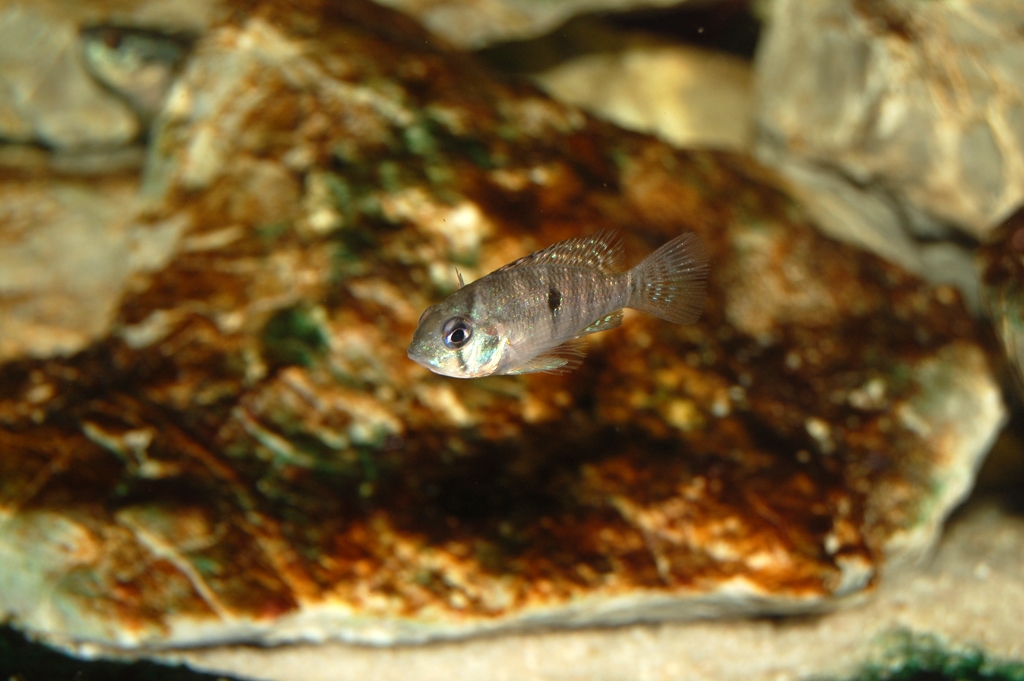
{"points": [[609, 321], [601, 251], [559, 360]]}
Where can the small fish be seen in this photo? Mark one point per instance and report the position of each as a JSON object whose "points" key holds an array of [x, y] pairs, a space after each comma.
{"points": [[530, 315]]}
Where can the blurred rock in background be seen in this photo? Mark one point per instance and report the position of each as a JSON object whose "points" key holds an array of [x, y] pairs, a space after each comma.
{"points": [[472, 24], [899, 123], [688, 95], [75, 105], [1002, 259]]}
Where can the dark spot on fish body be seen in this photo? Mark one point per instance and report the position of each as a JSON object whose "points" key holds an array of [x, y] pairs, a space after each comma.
{"points": [[554, 300]]}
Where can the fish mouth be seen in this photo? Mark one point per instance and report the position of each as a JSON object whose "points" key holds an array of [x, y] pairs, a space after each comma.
{"points": [[425, 363], [433, 367]]}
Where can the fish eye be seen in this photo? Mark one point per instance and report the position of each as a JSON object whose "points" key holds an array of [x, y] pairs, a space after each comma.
{"points": [[456, 332]]}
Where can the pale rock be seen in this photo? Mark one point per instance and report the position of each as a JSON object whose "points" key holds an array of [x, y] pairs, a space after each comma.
{"points": [[46, 95], [899, 123], [476, 23], [68, 254], [688, 96]]}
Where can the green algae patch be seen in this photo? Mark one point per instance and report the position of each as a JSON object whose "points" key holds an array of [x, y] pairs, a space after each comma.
{"points": [[294, 337], [921, 657]]}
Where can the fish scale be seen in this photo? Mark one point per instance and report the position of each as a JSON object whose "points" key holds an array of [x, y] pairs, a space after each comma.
{"points": [[583, 297]]}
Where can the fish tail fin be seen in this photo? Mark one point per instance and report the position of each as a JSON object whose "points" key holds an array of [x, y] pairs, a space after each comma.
{"points": [[671, 283]]}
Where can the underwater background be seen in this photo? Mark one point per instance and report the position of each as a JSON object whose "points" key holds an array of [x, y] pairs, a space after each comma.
{"points": [[221, 221]]}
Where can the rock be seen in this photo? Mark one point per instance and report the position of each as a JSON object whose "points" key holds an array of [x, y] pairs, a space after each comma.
{"points": [[245, 454], [74, 89], [688, 96], [69, 250], [27, 661], [1003, 286], [476, 23], [47, 94], [138, 66], [902, 124], [78, 98], [962, 605]]}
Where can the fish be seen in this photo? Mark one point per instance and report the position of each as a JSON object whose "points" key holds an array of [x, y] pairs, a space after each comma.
{"points": [[531, 315]]}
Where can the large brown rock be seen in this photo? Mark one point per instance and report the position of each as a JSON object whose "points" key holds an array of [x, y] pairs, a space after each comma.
{"points": [[960, 611]]}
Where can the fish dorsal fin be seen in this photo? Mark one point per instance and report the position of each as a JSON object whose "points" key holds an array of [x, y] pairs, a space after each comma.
{"points": [[609, 321], [601, 251], [559, 360]]}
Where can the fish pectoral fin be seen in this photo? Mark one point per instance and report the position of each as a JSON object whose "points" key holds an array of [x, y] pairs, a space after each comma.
{"points": [[559, 360], [568, 355], [609, 321]]}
